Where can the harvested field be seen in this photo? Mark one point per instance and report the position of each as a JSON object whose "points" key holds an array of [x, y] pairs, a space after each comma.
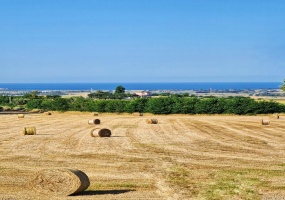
{"points": [[181, 157]]}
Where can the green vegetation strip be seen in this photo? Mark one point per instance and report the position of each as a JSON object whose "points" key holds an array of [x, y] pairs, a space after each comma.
{"points": [[165, 105]]}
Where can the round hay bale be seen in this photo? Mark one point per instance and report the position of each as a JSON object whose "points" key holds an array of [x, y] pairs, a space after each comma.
{"points": [[104, 132], [59, 181], [94, 121], [137, 114], [35, 110], [276, 116], [152, 121], [29, 131], [47, 113], [265, 122], [21, 115], [95, 114]]}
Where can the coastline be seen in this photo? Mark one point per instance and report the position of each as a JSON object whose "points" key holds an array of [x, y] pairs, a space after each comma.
{"points": [[255, 90], [274, 94]]}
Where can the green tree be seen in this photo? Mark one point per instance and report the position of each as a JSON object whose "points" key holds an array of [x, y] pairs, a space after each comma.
{"points": [[120, 90], [31, 95], [47, 104], [210, 106], [136, 105], [90, 105], [185, 105], [267, 107], [161, 105], [115, 106], [34, 104], [240, 105], [4, 100], [78, 104], [60, 104], [19, 101], [100, 105]]}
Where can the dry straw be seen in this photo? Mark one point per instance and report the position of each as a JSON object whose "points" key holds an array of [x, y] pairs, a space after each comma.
{"points": [[47, 113], [29, 131], [152, 121], [21, 115], [104, 132], [265, 122], [59, 181], [94, 121]]}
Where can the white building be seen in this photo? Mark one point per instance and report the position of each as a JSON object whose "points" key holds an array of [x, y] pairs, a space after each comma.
{"points": [[143, 94]]}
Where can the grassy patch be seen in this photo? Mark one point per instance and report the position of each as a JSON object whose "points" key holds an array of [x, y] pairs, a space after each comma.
{"points": [[243, 183], [178, 176], [281, 165], [183, 180], [225, 183], [229, 184]]}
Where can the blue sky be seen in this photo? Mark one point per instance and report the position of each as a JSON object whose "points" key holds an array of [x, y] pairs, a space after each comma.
{"points": [[53, 41]]}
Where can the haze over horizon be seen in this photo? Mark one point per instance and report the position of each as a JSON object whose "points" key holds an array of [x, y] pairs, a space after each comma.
{"points": [[63, 41]]}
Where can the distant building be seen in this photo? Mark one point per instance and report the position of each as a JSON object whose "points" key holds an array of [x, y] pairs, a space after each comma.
{"points": [[143, 94]]}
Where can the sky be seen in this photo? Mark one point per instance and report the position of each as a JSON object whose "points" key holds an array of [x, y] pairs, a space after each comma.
{"points": [[97, 41]]}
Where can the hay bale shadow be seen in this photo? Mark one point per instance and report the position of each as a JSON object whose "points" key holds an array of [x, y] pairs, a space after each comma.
{"points": [[102, 192]]}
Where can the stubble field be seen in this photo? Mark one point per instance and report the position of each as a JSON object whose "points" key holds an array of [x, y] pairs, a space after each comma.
{"points": [[181, 157]]}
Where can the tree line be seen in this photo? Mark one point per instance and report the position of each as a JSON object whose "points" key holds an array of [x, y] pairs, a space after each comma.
{"points": [[160, 105]]}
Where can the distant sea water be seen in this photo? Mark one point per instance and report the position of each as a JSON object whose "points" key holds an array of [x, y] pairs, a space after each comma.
{"points": [[141, 86]]}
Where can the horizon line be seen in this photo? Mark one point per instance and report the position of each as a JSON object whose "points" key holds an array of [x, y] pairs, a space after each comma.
{"points": [[138, 82]]}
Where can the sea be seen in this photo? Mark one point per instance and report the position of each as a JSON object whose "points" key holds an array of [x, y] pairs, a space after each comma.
{"points": [[141, 86]]}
